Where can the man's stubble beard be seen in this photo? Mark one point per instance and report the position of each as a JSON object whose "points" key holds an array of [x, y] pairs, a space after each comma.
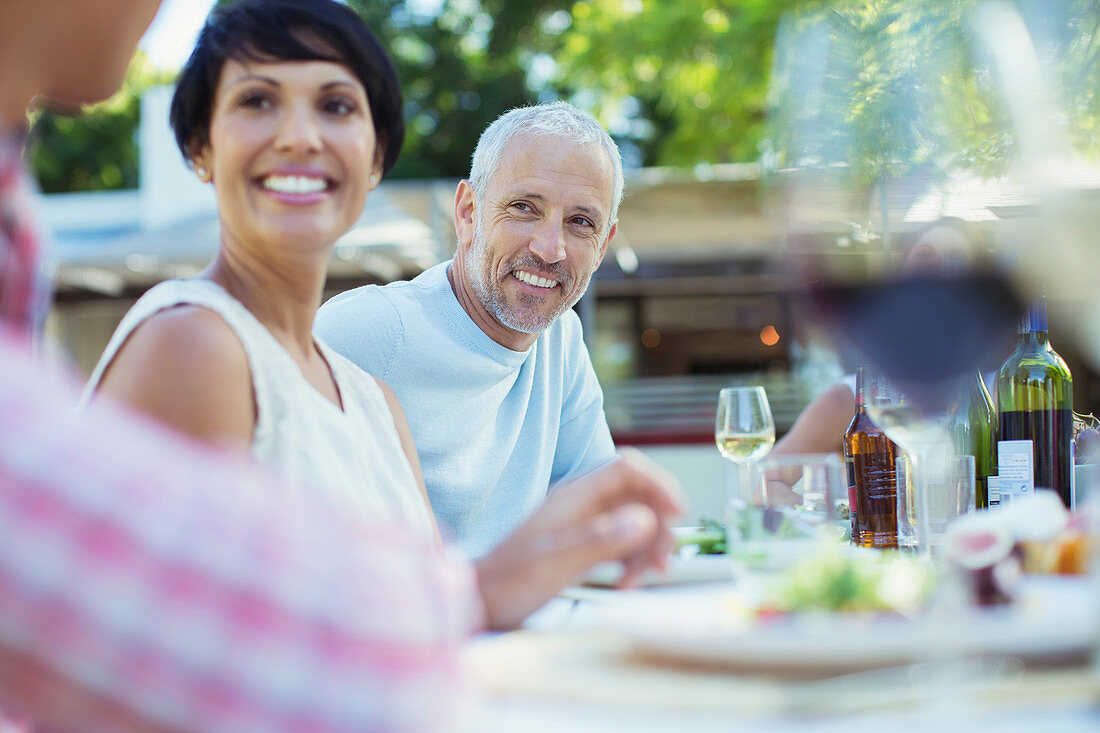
{"points": [[528, 320]]}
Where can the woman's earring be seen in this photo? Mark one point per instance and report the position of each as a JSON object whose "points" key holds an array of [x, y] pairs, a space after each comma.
{"points": [[201, 171], [373, 178]]}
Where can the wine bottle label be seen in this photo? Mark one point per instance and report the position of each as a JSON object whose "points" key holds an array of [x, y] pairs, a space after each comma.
{"points": [[993, 487], [1017, 472]]}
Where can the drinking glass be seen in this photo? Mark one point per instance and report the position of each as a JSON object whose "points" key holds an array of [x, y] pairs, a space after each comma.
{"points": [[744, 431], [949, 486], [743, 426], [785, 509]]}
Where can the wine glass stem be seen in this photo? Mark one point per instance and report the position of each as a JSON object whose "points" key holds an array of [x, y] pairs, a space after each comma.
{"points": [[918, 465], [741, 482]]}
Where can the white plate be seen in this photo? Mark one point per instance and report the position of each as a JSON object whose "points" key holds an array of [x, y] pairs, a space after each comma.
{"points": [[698, 569], [1054, 618]]}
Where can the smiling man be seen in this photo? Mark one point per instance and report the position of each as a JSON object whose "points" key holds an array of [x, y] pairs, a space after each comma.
{"points": [[484, 351]]}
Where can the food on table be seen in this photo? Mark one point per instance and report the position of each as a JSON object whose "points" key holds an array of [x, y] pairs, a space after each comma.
{"points": [[835, 580], [1035, 534], [707, 539], [1086, 438], [982, 549]]}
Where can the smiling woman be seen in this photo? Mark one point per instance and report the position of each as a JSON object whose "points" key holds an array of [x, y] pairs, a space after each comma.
{"points": [[291, 110], [292, 152]]}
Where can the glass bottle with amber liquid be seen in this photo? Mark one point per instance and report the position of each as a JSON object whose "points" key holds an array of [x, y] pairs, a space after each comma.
{"points": [[870, 456]]}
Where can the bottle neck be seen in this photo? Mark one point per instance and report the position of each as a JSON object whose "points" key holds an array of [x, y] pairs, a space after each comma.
{"points": [[979, 392], [1038, 339], [1036, 322], [861, 389]]}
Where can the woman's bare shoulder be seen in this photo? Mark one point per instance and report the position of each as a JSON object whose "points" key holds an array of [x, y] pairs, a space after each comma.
{"points": [[186, 367]]}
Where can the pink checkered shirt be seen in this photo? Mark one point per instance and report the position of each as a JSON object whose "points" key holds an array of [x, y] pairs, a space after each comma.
{"points": [[22, 295], [158, 582]]}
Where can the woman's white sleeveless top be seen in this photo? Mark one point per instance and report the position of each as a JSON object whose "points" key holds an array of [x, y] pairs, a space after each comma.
{"points": [[353, 455]]}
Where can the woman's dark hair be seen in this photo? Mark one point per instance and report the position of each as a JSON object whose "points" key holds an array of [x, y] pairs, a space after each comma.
{"points": [[286, 30]]}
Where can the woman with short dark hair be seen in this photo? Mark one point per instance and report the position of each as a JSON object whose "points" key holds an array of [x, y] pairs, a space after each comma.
{"points": [[292, 110]]}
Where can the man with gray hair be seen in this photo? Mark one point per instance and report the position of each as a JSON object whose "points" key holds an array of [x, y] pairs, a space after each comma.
{"points": [[484, 351]]}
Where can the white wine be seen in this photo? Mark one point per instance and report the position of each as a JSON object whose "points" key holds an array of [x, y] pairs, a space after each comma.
{"points": [[743, 448]]}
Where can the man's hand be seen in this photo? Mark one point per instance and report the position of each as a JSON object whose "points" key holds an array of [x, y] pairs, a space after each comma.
{"points": [[620, 512]]}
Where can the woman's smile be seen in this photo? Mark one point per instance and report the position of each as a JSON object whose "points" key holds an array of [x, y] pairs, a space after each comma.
{"points": [[297, 187], [292, 151]]}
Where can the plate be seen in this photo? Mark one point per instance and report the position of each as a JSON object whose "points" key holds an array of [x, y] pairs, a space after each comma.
{"points": [[1052, 619], [697, 569]]}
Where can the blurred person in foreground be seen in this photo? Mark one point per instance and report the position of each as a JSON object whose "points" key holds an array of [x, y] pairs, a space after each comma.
{"points": [[484, 351], [948, 244], [150, 583]]}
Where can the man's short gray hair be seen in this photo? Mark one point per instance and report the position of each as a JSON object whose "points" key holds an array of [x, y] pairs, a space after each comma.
{"points": [[560, 119]]}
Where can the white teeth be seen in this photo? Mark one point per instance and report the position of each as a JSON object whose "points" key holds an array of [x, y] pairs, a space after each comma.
{"points": [[539, 282], [295, 184]]}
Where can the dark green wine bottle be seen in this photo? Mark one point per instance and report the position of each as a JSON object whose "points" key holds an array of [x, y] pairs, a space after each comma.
{"points": [[974, 431], [1035, 403]]}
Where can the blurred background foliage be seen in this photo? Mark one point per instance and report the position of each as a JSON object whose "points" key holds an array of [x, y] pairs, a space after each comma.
{"points": [[97, 150], [891, 86], [683, 83]]}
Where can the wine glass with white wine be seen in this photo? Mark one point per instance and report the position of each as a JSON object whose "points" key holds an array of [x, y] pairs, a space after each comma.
{"points": [[743, 427], [744, 431]]}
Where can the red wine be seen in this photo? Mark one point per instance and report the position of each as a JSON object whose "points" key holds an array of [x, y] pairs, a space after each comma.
{"points": [[926, 333], [1051, 436], [1035, 398]]}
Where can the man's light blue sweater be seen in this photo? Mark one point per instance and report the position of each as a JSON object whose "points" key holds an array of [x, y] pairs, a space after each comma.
{"points": [[494, 428]]}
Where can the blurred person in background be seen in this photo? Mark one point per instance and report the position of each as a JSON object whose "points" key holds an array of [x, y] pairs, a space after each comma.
{"points": [[945, 245], [150, 583], [484, 351]]}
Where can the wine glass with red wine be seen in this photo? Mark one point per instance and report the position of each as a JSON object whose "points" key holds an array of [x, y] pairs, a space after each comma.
{"points": [[869, 145], [885, 122]]}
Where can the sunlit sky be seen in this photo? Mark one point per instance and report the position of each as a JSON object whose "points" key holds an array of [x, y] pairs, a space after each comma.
{"points": [[172, 34], [170, 38]]}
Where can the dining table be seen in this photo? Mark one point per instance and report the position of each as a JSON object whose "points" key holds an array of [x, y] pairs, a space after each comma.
{"points": [[684, 656]]}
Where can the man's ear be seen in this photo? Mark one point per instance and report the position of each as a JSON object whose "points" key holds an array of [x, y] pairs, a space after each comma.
{"points": [[606, 241], [465, 214]]}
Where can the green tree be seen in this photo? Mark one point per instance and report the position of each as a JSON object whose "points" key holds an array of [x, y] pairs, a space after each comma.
{"points": [[681, 83], [96, 150], [461, 65], [688, 80], [695, 81], [882, 88], [460, 68]]}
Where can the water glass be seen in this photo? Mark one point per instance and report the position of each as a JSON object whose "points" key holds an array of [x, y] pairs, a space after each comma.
{"points": [[787, 506], [950, 485]]}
